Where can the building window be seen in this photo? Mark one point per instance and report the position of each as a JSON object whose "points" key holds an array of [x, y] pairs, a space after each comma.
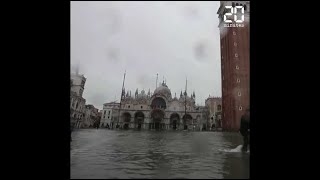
{"points": [[236, 55], [104, 112], [235, 44], [240, 108], [141, 107], [108, 117], [219, 107], [108, 112], [238, 80], [128, 106], [245, 7], [233, 4], [239, 93], [237, 67], [234, 33], [104, 117]]}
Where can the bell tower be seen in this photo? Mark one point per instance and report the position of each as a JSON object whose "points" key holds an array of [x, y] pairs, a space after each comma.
{"points": [[235, 62]]}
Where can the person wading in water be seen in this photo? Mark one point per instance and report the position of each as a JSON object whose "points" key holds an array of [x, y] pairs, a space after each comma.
{"points": [[245, 130]]}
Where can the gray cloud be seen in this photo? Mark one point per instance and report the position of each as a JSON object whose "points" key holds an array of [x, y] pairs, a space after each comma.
{"points": [[175, 39]]}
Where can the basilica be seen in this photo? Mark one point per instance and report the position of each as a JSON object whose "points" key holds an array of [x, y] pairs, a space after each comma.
{"points": [[158, 110]]}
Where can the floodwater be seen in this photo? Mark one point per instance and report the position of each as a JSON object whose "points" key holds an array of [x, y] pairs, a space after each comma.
{"points": [[103, 154]]}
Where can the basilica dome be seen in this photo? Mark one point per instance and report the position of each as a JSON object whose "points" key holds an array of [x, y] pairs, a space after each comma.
{"points": [[163, 90]]}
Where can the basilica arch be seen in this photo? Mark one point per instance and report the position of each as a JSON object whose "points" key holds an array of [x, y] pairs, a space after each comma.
{"points": [[187, 121], [157, 122], [174, 121], [158, 103], [126, 117], [139, 119]]}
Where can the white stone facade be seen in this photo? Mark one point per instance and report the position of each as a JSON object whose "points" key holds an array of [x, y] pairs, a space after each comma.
{"points": [[77, 109], [78, 82], [110, 113], [77, 102], [91, 115], [214, 105]]}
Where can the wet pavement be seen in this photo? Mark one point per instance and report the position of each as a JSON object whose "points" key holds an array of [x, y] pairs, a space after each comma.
{"points": [[103, 154]]}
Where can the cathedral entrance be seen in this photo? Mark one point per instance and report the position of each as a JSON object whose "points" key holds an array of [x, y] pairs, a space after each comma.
{"points": [[174, 120], [126, 119], [157, 116], [157, 126], [138, 119], [187, 121], [174, 125]]}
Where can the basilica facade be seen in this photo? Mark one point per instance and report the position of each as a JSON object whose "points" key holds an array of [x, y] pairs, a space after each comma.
{"points": [[159, 110]]}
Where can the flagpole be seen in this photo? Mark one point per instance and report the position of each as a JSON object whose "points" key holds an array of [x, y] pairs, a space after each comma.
{"points": [[124, 78], [185, 105], [157, 81]]}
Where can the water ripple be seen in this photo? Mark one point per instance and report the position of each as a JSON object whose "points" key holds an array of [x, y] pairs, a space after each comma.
{"points": [[148, 154]]}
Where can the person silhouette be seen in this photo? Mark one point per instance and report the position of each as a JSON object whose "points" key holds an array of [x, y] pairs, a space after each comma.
{"points": [[245, 129]]}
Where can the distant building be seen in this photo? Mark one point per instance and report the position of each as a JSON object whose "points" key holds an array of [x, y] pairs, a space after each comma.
{"points": [[204, 119], [214, 105], [78, 82], [91, 116], [77, 109], [235, 65], [97, 123], [77, 102], [110, 113]]}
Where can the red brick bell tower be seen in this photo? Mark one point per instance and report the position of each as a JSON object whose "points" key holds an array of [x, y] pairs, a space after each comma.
{"points": [[235, 64]]}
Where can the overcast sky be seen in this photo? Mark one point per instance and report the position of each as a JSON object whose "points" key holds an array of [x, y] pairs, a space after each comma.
{"points": [[174, 39]]}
